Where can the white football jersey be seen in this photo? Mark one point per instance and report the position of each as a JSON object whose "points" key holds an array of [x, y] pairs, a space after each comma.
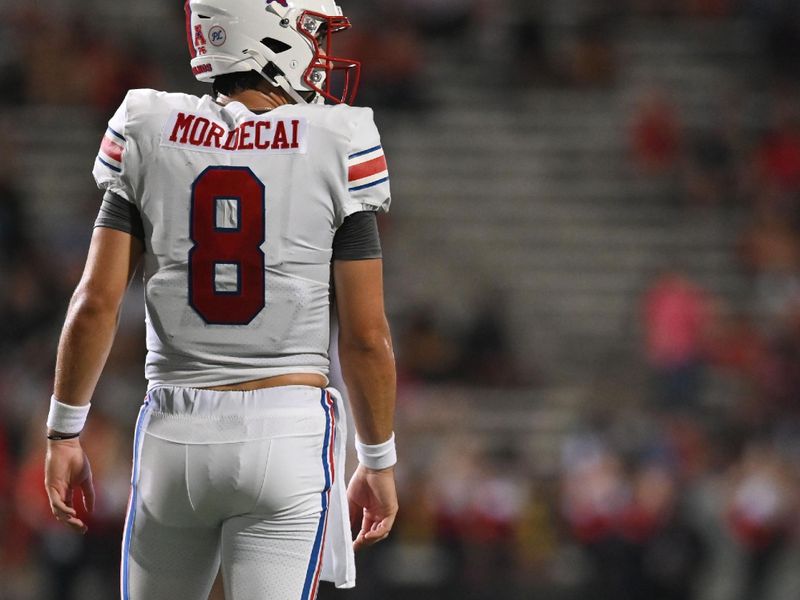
{"points": [[239, 213]]}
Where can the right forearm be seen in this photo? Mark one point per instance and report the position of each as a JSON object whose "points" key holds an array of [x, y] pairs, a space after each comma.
{"points": [[83, 348], [369, 373], [91, 321]]}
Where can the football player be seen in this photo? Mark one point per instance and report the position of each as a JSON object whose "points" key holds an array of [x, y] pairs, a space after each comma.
{"points": [[243, 205]]}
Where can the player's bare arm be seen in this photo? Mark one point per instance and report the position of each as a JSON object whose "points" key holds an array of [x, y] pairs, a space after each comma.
{"points": [[367, 359], [85, 342]]}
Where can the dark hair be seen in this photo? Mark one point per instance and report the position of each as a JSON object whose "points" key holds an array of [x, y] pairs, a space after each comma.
{"points": [[232, 83]]}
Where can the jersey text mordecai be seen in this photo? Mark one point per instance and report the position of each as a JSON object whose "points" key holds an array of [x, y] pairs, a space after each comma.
{"points": [[192, 131]]}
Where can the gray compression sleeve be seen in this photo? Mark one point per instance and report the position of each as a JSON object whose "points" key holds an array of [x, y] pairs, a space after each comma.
{"points": [[117, 213], [358, 238]]}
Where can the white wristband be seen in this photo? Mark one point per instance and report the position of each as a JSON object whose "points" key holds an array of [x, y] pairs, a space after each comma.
{"points": [[66, 418], [377, 456]]}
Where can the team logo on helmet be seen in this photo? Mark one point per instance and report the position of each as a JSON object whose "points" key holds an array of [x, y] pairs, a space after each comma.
{"points": [[217, 35], [199, 39], [283, 3]]}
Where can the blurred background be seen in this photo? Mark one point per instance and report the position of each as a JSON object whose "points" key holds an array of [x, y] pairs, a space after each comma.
{"points": [[593, 278]]}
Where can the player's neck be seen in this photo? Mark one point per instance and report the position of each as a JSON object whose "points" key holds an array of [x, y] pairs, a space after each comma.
{"points": [[257, 100]]}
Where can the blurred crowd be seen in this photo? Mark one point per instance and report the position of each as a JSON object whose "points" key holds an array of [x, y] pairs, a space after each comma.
{"points": [[688, 490]]}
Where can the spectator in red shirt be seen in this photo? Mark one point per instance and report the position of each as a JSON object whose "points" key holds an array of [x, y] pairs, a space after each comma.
{"points": [[677, 318], [656, 136]]}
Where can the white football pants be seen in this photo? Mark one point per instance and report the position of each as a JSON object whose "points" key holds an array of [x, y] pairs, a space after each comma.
{"points": [[240, 479]]}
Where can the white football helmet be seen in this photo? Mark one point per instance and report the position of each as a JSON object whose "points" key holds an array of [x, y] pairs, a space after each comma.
{"points": [[286, 41]]}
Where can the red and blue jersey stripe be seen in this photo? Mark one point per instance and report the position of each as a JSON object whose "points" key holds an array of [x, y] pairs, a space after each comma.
{"points": [[367, 169], [111, 150]]}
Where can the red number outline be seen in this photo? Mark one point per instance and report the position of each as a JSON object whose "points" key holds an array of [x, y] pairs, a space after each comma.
{"points": [[240, 246]]}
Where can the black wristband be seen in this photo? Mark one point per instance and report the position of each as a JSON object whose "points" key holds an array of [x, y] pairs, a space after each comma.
{"points": [[57, 437]]}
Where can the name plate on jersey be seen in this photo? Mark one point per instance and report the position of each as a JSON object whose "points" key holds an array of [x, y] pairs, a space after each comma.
{"points": [[260, 134]]}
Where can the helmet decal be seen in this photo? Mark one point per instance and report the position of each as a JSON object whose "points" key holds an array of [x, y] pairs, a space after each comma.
{"points": [[199, 38], [217, 35], [283, 3]]}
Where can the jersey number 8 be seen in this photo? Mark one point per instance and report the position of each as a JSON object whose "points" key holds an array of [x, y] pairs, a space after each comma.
{"points": [[226, 263]]}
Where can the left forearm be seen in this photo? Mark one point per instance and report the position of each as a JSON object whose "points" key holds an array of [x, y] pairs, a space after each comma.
{"points": [[83, 348]]}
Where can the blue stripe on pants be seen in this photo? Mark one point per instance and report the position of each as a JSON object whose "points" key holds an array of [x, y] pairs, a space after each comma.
{"points": [[316, 553], [126, 539]]}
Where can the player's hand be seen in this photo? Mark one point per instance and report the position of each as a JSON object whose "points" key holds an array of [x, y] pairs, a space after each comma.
{"points": [[373, 498], [66, 468]]}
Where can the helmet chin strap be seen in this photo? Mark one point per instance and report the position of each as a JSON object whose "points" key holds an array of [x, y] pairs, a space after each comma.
{"points": [[281, 82], [276, 78], [286, 87]]}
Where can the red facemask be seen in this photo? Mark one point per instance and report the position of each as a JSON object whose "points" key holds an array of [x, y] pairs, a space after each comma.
{"points": [[319, 30]]}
